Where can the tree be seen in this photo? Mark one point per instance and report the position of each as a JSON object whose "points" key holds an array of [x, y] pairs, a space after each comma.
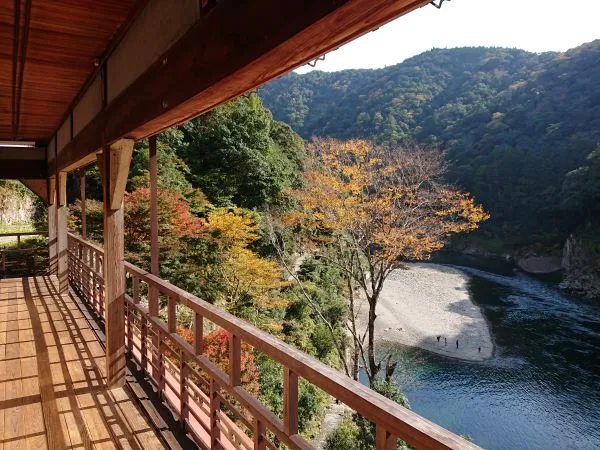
{"points": [[249, 284], [239, 156], [365, 211]]}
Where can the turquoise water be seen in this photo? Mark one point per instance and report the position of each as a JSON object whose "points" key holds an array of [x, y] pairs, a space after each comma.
{"points": [[540, 391]]}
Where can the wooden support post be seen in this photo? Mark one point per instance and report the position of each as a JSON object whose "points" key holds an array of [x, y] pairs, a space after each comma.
{"points": [[259, 435], [52, 226], [83, 205], [235, 360], [384, 440], [153, 168], [62, 254], [198, 333], [116, 159], [290, 402], [154, 263], [215, 409]]}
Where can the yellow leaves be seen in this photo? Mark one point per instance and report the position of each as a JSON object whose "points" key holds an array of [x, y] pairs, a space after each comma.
{"points": [[245, 273], [232, 227], [392, 203]]}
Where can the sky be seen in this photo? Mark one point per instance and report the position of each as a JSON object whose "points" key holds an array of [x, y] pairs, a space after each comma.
{"points": [[533, 25]]}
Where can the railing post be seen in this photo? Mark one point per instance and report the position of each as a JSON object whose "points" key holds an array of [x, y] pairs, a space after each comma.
{"points": [[161, 364], [198, 333], [259, 435], [384, 440], [215, 407], [172, 314], [290, 402], [235, 360], [183, 392]]}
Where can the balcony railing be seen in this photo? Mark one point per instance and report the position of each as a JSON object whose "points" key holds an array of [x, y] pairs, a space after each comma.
{"points": [[213, 404]]}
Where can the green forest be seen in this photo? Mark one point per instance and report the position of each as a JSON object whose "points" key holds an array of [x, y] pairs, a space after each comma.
{"points": [[518, 129]]}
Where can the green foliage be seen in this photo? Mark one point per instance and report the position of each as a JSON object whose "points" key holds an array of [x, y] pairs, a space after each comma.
{"points": [[343, 437], [358, 432], [239, 156], [302, 327], [513, 123], [312, 401]]}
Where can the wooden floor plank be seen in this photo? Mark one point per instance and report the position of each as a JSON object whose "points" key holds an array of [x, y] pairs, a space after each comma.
{"points": [[52, 390]]}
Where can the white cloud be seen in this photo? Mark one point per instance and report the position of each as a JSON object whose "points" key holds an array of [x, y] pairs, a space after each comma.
{"points": [[533, 25]]}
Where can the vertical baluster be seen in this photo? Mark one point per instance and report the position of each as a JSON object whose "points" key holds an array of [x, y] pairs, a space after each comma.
{"points": [[128, 312], [143, 344], [290, 402], [80, 267], [198, 333], [161, 364], [384, 440], [135, 287], [183, 392], [235, 364], [215, 407], [172, 314], [259, 435]]}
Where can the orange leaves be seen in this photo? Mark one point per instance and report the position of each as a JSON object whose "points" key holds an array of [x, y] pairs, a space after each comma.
{"points": [[391, 204], [174, 215], [216, 348]]}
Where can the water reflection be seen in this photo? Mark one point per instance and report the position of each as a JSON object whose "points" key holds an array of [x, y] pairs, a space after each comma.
{"points": [[542, 390]]}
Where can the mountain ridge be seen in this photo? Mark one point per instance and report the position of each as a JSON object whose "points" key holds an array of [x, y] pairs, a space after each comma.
{"points": [[513, 123]]}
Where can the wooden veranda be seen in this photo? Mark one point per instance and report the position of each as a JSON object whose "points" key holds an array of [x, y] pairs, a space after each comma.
{"points": [[81, 82]]}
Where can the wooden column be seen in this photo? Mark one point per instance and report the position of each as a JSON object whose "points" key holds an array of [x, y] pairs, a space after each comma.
{"points": [[62, 257], [154, 263], [83, 206], [115, 161], [52, 226]]}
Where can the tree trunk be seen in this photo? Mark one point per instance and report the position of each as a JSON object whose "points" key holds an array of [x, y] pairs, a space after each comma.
{"points": [[373, 366], [356, 355]]}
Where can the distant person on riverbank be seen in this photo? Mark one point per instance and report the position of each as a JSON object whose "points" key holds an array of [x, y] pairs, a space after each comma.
{"points": [[439, 337], [457, 343], [479, 349], [445, 341]]}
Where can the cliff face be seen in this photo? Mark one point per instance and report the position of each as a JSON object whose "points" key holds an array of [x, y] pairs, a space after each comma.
{"points": [[581, 262], [17, 204]]}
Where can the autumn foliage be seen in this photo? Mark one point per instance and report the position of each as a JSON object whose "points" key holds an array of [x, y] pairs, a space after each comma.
{"points": [[216, 348], [367, 210]]}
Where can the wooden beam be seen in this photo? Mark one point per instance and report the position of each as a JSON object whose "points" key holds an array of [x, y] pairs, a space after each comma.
{"points": [[13, 169], [116, 160], [225, 54], [38, 187], [120, 159]]}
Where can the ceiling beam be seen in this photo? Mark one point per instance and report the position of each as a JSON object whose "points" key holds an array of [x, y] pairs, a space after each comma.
{"points": [[235, 47], [23, 169]]}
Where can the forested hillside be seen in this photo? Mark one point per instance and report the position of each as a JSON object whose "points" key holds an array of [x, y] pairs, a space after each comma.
{"points": [[513, 124]]}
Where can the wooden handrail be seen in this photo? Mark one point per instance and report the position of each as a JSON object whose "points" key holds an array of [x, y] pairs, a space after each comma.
{"points": [[28, 233], [392, 420]]}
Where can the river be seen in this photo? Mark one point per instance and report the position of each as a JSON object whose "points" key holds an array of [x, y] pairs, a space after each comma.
{"points": [[542, 388]]}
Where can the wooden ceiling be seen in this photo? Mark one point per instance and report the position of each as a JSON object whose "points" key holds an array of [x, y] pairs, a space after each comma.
{"points": [[47, 58]]}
